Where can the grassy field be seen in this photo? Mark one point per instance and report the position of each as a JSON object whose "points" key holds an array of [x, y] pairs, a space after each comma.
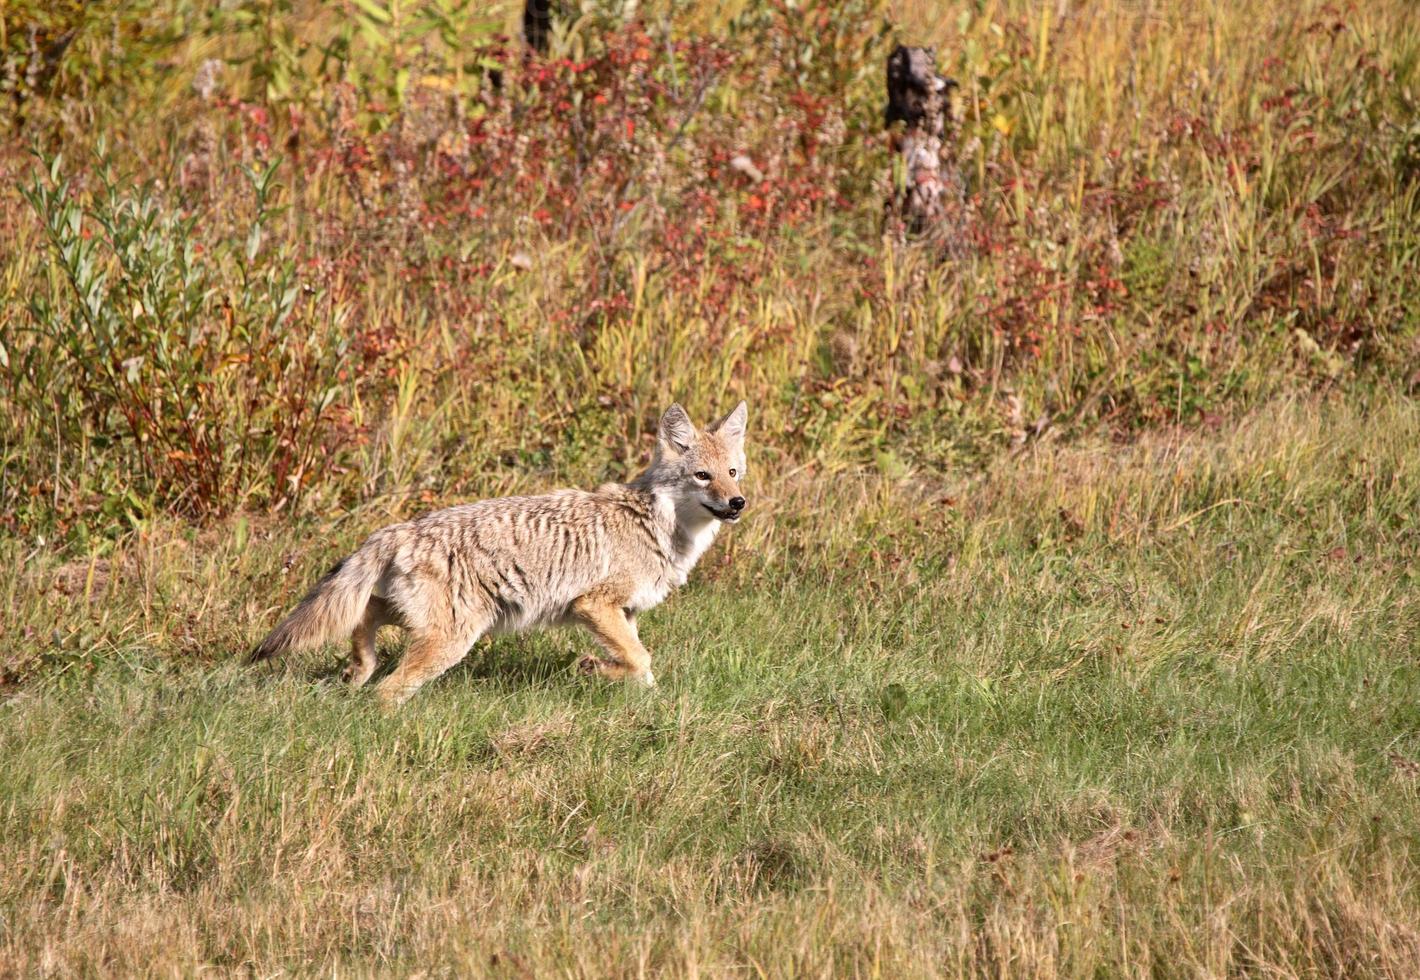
{"points": [[1142, 711], [1074, 628]]}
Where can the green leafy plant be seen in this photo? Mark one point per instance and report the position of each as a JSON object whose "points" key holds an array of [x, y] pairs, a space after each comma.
{"points": [[146, 341]]}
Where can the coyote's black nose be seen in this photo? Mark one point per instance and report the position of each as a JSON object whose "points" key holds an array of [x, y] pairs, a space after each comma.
{"points": [[736, 503]]}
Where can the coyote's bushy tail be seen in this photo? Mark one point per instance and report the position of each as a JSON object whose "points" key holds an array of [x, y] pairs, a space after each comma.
{"points": [[332, 609]]}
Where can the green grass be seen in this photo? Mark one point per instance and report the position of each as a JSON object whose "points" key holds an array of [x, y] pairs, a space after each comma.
{"points": [[1144, 710]]}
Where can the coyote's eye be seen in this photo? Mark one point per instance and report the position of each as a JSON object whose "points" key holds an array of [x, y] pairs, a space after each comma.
{"points": [[732, 473], [703, 477]]}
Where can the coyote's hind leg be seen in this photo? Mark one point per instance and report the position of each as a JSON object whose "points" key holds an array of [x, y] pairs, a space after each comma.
{"points": [[432, 650], [364, 659]]}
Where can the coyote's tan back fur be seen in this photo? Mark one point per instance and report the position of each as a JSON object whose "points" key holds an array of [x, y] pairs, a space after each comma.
{"points": [[594, 558]]}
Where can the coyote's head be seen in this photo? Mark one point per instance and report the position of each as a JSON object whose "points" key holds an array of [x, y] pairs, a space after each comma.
{"points": [[701, 468]]}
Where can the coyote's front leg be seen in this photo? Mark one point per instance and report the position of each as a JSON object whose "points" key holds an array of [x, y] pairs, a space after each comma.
{"points": [[616, 632]]}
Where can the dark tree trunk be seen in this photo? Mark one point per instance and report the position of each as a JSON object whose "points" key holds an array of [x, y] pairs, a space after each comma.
{"points": [[929, 202], [537, 24]]}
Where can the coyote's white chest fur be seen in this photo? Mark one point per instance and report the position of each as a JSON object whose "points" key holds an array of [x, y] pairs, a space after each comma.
{"points": [[683, 544]]}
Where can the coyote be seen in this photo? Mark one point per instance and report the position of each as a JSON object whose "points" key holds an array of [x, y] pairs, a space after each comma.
{"points": [[596, 558]]}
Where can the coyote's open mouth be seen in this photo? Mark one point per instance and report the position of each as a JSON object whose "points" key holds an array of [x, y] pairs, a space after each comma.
{"points": [[727, 515]]}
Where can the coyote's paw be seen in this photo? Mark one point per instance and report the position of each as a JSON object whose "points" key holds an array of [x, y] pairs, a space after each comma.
{"points": [[392, 696], [356, 676], [615, 670]]}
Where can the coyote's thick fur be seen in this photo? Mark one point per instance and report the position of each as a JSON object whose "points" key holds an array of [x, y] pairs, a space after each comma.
{"points": [[595, 558]]}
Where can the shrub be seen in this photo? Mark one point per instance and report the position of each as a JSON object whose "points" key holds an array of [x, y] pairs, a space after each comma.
{"points": [[187, 372]]}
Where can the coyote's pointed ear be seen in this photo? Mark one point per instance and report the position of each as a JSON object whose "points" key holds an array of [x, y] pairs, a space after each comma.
{"points": [[731, 428], [676, 433]]}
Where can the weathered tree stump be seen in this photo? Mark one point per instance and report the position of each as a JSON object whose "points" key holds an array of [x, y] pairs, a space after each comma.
{"points": [[927, 202]]}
